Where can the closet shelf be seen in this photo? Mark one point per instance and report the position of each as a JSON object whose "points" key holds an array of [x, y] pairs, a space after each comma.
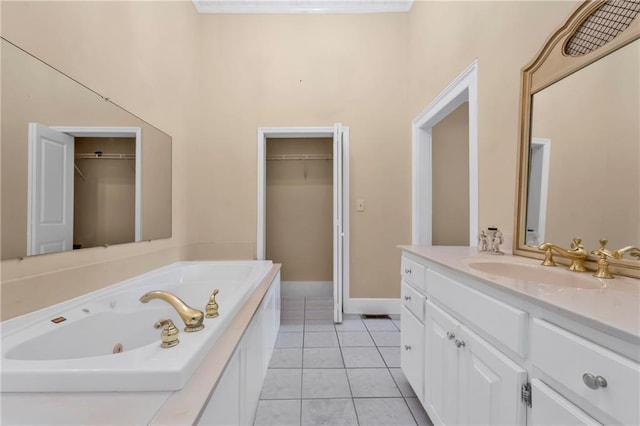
{"points": [[277, 157], [101, 156]]}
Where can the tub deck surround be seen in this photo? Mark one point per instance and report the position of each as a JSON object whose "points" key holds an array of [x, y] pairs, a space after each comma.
{"points": [[611, 306], [165, 407]]}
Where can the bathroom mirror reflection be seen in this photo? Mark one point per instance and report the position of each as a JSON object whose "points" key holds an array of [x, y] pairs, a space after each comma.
{"points": [[584, 163], [579, 139], [78, 171]]}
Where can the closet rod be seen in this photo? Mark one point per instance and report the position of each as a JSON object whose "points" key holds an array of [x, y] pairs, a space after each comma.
{"points": [[98, 156], [277, 157]]}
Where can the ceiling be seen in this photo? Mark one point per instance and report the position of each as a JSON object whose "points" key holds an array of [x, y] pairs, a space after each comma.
{"points": [[302, 6]]}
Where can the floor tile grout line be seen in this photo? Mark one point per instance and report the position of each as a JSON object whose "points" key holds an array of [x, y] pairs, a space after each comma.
{"points": [[353, 402]]}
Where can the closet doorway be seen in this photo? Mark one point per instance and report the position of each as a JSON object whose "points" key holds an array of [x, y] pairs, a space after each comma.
{"points": [[303, 208]]}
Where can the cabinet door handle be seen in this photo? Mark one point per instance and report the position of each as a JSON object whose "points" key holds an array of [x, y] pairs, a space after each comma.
{"points": [[407, 347], [407, 270], [407, 298], [594, 382], [460, 343], [450, 335]]}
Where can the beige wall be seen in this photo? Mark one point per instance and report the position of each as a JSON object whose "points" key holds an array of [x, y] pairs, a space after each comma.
{"points": [[227, 75], [591, 118], [307, 70], [299, 231], [445, 37], [143, 55], [450, 174]]}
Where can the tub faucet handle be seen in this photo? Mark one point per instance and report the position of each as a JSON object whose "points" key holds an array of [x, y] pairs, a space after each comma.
{"points": [[212, 306], [169, 334]]}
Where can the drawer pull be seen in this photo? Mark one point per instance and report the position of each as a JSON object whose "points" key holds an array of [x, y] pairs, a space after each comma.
{"points": [[594, 382], [460, 343], [407, 347], [407, 270], [407, 298], [450, 335]]}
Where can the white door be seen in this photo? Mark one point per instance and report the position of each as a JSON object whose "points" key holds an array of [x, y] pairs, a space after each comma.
{"points": [[441, 365], [490, 383], [341, 216], [50, 191], [338, 222]]}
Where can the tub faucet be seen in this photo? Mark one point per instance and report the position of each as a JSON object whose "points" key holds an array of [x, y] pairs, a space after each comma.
{"points": [[192, 317], [577, 254]]}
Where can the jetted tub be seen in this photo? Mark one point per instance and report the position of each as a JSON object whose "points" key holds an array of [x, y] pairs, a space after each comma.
{"points": [[77, 354]]}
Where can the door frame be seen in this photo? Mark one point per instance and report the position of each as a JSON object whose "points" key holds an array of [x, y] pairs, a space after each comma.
{"points": [[544, 145], [116, 132], [303, 133], [463, 89]]}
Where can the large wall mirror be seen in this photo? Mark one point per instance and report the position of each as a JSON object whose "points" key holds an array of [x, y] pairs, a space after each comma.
{"points": [[78, 171], [579, 157]]}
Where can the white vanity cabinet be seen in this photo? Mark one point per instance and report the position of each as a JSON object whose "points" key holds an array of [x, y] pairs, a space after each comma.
{"points": [[599, 376], [491, 356], [551, 408], [467, 380], [235, 398], [411, 322]]}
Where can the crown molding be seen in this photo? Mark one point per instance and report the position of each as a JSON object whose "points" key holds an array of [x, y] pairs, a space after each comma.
{"points": [[302, 6]]}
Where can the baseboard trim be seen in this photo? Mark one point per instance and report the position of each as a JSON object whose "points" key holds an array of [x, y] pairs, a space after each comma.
{"points": [[296, 289], [371, 306]]}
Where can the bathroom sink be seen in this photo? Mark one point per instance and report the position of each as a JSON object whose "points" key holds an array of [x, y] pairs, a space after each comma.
{"points": [[536, 273]]}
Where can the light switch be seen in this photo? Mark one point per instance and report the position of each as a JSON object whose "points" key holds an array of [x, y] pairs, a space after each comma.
{"points": [[360, 205]]}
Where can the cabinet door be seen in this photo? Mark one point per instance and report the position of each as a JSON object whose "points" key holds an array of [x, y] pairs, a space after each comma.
{"points": [[550, 408], [441, 365], [411, 347], [489, 383]]}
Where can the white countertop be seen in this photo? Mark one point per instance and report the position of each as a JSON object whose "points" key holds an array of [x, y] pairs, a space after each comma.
{"points": [[612, 305]]}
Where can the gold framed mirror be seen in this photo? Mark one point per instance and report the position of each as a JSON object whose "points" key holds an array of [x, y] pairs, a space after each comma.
{"points": [[579, 137]]}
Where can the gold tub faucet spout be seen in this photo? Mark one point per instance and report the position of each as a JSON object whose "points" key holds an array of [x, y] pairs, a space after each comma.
{"points": [[192, 317], [577, 254]]}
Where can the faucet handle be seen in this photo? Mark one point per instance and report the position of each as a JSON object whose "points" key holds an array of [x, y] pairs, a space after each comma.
{"points": [[633, 251], [212, 306], [548, 254], [602, 252], [603, 264], [169, 334]]}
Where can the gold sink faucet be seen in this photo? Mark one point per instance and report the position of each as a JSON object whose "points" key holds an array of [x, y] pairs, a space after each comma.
{"points": [[633, 251], [603, 264], [192, 317], [577, 254]]}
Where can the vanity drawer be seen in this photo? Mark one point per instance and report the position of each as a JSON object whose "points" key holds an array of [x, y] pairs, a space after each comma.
{"points": [[566, 358], [413, 301], [504, 323], [413, 273]]}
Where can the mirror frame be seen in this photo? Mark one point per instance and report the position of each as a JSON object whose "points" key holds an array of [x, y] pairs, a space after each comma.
{"points": [[549, 66]]}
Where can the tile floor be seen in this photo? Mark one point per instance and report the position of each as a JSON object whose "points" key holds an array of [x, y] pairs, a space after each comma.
{"points": [[342, 374]]}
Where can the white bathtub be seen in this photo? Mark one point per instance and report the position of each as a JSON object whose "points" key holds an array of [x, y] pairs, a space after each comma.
{"points": [[76, 355]]}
